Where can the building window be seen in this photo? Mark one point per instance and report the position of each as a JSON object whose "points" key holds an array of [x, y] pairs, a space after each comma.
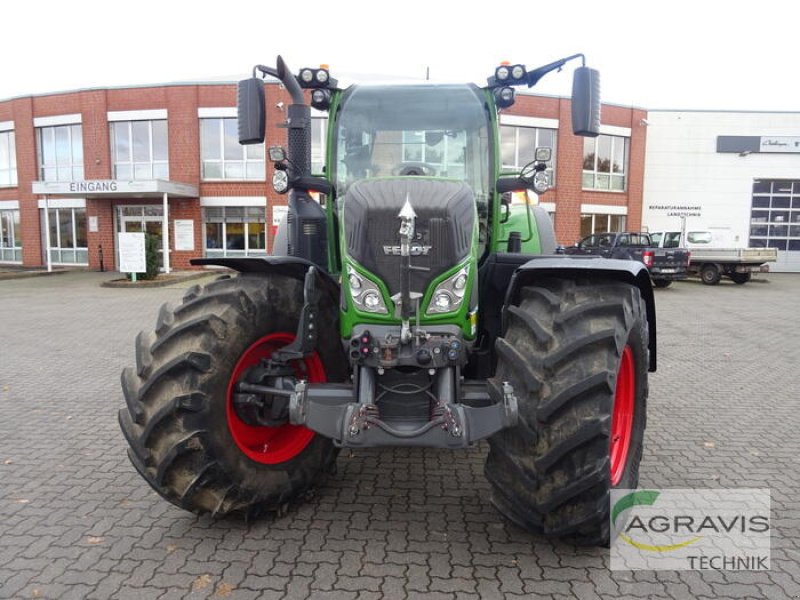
{"points": [[235, 231], [605, 163], [60, 153], [8, 159], [518, 145], [139, 149], [319, 136], [775, 215], [222, 155], [446, 154], [68, 236], [601, 223], [10, 241]]}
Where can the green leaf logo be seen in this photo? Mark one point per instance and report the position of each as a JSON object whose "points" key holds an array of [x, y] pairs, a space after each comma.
{"points": [[637, 498]]}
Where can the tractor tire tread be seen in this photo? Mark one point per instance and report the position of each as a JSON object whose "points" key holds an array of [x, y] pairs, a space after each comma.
{"points": [[551, 472]]}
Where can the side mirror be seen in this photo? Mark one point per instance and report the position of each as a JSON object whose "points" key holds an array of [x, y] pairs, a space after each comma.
{"points": [[586, 102], [252, 113]]}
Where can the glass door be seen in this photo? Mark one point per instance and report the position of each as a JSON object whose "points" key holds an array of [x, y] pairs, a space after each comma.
{"points": [[143, 219]]}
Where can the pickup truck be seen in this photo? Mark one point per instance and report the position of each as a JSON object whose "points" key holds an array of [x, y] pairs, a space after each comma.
{"points": [[665, 264], [711, 262]]}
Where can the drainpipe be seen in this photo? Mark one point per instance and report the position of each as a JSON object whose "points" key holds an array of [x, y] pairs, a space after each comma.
{"points": [[165, 234], [47, 234]]}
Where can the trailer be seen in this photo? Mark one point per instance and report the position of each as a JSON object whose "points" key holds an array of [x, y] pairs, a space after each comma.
{"points": [[710, 264]]}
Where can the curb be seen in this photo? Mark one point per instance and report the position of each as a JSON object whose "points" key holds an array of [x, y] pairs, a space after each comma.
{"points": [[156, 283]]}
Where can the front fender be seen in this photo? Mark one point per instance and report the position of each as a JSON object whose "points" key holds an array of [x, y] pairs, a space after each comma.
{"points": [[628, 271], [286, 266]]}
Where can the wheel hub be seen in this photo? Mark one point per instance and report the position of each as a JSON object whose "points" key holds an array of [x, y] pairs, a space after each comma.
{"points": [[258, 426]]}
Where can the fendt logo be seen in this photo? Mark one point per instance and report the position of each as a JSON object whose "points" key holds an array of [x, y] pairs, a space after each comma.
{"points": [[416, 250]]}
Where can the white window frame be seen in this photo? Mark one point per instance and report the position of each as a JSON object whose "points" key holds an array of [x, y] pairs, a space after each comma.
{"points": [[594, 173], [224, 251], [220, 139], [607, 212], [129, 162], [57, 252], [445, 152], [8, 172], [76, 167], [10, 253]]}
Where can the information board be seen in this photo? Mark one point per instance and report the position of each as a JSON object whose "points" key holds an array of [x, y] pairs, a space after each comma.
{"points": [[184, 234], [131, 252]]}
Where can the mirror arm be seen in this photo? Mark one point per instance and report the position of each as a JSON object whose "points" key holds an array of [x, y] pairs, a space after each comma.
{"points": [[535, 75], [285, 76], [265, 71]]}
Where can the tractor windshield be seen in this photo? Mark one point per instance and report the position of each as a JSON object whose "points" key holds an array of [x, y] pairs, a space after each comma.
{"points": [[424, 130]]}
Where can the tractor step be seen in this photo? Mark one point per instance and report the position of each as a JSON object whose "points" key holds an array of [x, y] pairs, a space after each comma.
{"points": [[333, 411]]}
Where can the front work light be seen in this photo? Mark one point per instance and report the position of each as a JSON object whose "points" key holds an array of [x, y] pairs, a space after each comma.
{"points": [[504, 96], [280, 181], [321, 99]]}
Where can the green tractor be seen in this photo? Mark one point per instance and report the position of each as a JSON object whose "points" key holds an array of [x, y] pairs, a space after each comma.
{"points": [[405, 304]]}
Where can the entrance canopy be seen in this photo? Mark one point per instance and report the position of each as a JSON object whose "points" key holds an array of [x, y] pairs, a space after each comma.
{"points": [[115, 188]]}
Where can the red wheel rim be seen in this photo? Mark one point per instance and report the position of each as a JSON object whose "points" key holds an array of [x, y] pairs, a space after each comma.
{"points": [[622, 416], [271, 445]]}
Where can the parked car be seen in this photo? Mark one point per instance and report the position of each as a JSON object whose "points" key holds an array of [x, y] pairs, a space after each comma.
{"points": [[710, 261], [664, 264]]}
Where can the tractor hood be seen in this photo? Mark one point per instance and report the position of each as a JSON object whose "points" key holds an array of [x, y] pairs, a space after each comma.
{"points": [[444, 225]]}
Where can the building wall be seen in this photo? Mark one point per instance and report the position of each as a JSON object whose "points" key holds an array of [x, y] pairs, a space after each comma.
{"points": [[568, 194], [686, 174], [182, 103]]}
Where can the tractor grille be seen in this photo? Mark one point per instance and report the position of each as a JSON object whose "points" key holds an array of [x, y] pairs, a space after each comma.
{"points": [[444, 227]]}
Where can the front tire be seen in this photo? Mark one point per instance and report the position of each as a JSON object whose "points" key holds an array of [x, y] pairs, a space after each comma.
{"points": [[184, 436], [576, 354]]}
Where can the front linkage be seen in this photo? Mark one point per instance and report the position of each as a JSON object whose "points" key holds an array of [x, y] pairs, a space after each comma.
{"points": [[463, 412]]}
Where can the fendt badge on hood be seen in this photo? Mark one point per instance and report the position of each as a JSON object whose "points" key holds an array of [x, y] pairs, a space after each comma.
{"points": [[415, 250]]}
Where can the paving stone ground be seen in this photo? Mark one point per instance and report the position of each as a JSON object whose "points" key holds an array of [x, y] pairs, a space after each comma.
{"points": [[76, 521]]}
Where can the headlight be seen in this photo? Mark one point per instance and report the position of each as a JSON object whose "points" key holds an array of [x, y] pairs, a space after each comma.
{"points": [[442, 301], [322, 76], [307, 75], [449, 294], [541, 182], [501, 74], [518, 72], [365, 293], [280, 181]]}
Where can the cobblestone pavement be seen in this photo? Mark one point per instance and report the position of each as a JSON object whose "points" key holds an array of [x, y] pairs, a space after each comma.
{"points": [[76, 521]]}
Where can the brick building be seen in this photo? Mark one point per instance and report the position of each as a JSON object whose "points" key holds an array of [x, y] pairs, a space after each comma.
{"points": [[78, 167]]}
